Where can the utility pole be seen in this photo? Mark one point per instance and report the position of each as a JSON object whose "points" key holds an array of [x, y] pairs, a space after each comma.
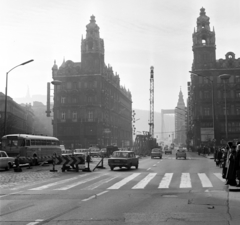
{"points": [[151, 122]]}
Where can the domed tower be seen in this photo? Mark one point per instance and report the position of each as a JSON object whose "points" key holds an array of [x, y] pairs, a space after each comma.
{"points": [[204, 48], [92, 50]]}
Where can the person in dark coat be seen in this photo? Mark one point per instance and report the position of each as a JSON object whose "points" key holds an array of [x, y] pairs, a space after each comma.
{"points": [[237, 164], [231, 171], [224, 162]]}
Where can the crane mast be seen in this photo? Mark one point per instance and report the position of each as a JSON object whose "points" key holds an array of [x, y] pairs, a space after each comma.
{"points": [[151, 122]]}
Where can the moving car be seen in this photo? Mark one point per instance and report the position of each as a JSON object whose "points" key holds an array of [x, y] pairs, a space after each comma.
{"points": [[5, 161], [181, 153], [167, 150], [125, 159], [156, 152]]}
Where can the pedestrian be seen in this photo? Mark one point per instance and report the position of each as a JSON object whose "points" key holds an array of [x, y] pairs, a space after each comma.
{"points": [[224, 161], [231, 170], [237, 164]]}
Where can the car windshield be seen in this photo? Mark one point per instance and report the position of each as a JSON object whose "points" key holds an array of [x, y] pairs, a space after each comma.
{"points": [[120, 154], [156, 150]]}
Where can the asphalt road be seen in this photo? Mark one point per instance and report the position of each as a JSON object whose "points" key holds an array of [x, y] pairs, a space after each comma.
{"points": [[166, 191]]}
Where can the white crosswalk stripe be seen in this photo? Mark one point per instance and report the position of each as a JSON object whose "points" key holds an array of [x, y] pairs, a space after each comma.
{"points": [[165, 182], [142, 184], [124, 181], [136, 180], [204, 180], [185, 181]]}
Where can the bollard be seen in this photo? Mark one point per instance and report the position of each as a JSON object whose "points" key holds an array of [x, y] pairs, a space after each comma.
{"points": [[54, 162]]}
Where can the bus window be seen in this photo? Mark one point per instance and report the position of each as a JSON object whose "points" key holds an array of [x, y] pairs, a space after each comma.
{"points": [[27, 142], [21, 142], [43, 142], [38, 142], [33, 142], [48, 142]]}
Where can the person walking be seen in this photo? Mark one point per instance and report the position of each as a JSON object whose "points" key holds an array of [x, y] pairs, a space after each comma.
{"points": [[231, 170], [237, 164]]}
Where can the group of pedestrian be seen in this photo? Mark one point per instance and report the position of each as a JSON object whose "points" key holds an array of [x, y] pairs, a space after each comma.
{"points": [[228, 158]]}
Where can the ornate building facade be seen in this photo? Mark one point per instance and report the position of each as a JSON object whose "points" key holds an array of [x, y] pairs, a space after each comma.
{"points": [[90, 105], [212, 118]]}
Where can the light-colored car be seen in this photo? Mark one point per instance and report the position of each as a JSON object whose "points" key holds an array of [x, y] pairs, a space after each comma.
{"points": [[181, 153], [5, 161], [123, 159], [156, 152]]}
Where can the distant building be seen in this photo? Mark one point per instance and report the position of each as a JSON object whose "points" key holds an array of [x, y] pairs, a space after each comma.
{"points": [[20, 118], [180, 120], [90, 106], [43, 124], [209, 121]]}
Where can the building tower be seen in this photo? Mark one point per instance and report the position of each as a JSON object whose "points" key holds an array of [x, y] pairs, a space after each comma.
{"points": [[180, 116], [204, 48], [92, 49], [151, 122]]}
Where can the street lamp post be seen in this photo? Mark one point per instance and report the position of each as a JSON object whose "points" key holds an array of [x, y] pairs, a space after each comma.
{"points": [[6, 89], [224, 78], [213, 111]]}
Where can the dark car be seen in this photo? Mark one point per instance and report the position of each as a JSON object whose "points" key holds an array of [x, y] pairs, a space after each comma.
{"points": [[156, 152], [167, 150], [125, 159], [181, 153]]}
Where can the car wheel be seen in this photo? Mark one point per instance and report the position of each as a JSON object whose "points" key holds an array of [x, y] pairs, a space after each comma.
{"points": [[120, 167], [7, 167], [136, 166], [128, 167], [112, 167]]}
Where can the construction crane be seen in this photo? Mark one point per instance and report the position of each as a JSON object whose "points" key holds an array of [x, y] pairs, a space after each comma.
{"points": [[151, 122]]}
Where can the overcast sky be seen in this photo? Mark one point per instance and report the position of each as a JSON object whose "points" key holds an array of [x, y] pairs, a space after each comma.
{"points": [[137, 34]]}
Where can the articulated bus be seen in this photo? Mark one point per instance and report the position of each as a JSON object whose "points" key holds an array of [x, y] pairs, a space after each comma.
{"points": [[26, 145]]}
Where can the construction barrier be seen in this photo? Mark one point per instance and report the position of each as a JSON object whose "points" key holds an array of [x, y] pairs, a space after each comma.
{"points": [[69, 162]]}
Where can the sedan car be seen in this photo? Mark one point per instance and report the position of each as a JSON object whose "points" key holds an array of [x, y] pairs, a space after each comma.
{"points": [[181, 153], [125, 159], [5, 161], [156, 152]]}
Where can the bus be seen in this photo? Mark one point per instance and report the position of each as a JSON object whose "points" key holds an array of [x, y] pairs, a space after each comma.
{"points": [[34, 146]]}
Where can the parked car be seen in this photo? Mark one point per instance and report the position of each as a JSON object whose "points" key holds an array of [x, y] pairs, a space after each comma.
{"points": [[125, 159], [156, 152], [6, 162], [181, 153]]}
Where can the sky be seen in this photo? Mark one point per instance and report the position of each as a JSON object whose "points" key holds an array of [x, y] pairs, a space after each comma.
{"points": [[137, 34]]}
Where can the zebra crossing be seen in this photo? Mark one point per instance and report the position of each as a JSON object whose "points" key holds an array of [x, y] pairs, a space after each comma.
{"points": [[134, 181]]}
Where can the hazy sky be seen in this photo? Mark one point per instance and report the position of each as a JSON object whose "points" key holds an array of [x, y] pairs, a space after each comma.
{"points": [[137, 34]]}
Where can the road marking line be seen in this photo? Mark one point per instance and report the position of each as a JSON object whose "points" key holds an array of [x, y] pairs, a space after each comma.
{"points": [[78, 183], [10, 194], [219, 176], [154, 165], [56, 183], [144, 181], [185, 181], [165, 182], [94, 196], [124, 181], [149, 168], [204, 180], [95, 185], [35, 222]]}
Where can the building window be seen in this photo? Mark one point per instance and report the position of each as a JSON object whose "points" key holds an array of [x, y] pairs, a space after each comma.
{"points": [[206, 94], [237, 79], [90, 116], [63, 116], [206, 111], [63, 100], [74, 116], [69, 85], [238, 94]]}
